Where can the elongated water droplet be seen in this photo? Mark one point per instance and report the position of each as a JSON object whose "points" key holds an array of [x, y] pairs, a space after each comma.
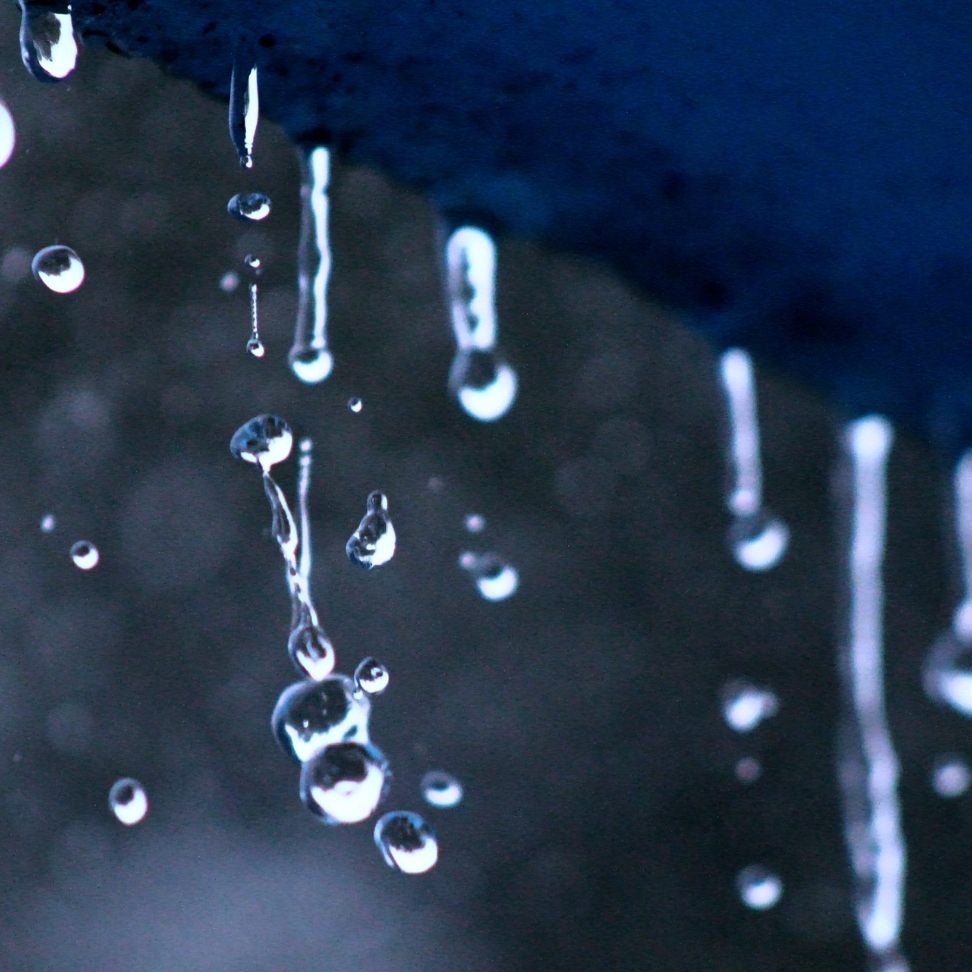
{"points": [[254, 346], [48, 522], [373, 543], [266, 439], [951, 776], [244, 106], [406, 842], [85, 555], [345, 782], [311, 650], [441, 789], [249, 206], [744, 706], [59, 268], [495, 579], [48, 46], [475, 523], [8, 135], [371, 677], [355, 404], [759, 888], [128, 801], [309, 358]]}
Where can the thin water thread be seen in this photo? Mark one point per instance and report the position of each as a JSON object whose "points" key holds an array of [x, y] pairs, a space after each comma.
{"points": [[736, 368], [471, 275]]}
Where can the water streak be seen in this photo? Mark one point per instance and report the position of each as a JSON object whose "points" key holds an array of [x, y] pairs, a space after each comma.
{"points": [[244, 107], [254, 345]]}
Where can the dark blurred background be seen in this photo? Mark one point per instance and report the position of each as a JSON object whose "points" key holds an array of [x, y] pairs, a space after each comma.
{"points": [[603, 824]]}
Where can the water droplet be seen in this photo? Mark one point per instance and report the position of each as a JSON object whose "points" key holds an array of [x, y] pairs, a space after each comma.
{"points": [[759, 888], [8, 135], [406, 842], [371, 676], [344, 783], [355, 404], [951, 776], [748, 770], [229, 281], [48, 47], [251, 206], [59, 268], [758, 541], [128, 801], [485, 386], [244, 106], [373, 543], [495, 578], [311, 715], [48, 522], [948, 672], [475, 523], [311, 650], [253, 262], [744, 706], [440, 789], [255, 347], [265, 439], [85, 555], [311, 365]]}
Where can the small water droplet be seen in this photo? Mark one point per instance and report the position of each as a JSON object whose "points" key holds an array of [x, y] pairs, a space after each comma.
{"points": [[951, 776], [8, 135], [948, 672], [744, 706], [495, 578], [48, 47], [265, 439], [406, 842], [371, 676], [355, 404], [255, 347], [485, 385], [373, 543], [229, 281], [759, 888], [441, 789], [48, 522], [85, 555], [748, 770], [311, 651], [251, 206], [475, 523], [253, 262], [59, 268], [312, 365], [758, 541], [128, 801], [345, 782]]}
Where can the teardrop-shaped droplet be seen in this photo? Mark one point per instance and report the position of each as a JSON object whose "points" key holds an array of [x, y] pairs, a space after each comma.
{"points": [[244, 106], [311, 365], [495, 579], [355, 404], [345, 782], [8, 135], [311, 715], [266, 439], [951, 776], [249, 206], [759, 888], [441, 789], [85, 555], [758, 541], [311, 651], [59, 268], [128, 801], [484, 384], [373, 543], [371, 676], [406, 842], [48, 46], [744, 706], [255, 347]]}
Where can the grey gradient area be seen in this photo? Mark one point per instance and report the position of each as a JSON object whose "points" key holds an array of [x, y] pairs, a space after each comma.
{"points": [[603, 825]]}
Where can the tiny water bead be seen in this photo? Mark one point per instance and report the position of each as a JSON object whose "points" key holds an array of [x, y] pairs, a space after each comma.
{"points": [[484, 385], [8, 135], [59, 268], [371, 677], [266, 439], [441, 789], [345, 782], [495, 579], [951, 776], [128, 801], [249, 206], [373, 543], [759, 888], [475, 523], [406, 842], [311, 650], [48, 47], [48, 522], [744, 706], [85, 555], [355, 404]]}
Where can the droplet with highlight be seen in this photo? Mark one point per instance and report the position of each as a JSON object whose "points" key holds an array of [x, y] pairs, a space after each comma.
{"points": [[345, 782], [373, 543], [266, 439], [744, 706], [951, 776], [8, 135], [406, 842], [311, 650], [759, 888], [495, 579], [371, 676], [355, 404], [485, 385], [475, 523], [128, 801], [48, 46], [441, 789], [59, 268], [758, 541], [244, 106], [249, 206], [85, 555], [48, 522]]}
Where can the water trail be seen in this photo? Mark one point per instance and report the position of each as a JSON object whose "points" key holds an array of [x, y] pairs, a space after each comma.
{"points": [[244, 106], [48, 46], [310, 359], [254, 345], [757, 538], [868, 765]]}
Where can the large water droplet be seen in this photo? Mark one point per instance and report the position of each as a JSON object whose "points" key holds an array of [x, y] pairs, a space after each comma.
{"points": [[758, 541], [406, 842], [128, 801], [495, 579], [759, 888], [244, 106], [373, 543], [371, 676], [8, 136], [48, 47], [48, 522], [485, 385], [951, 776], [345, 782], [59, 268], [311, 650], [250, 206], [311, 715], [85, 555], [266, 439], [311, 365], [441, 789], [744, 706]]}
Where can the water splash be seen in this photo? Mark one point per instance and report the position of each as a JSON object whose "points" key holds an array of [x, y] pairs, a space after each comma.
{"points": [[251, 207], [744, 706], [8, 134], [495, 579], [759, 888], [406, 842], [441, 789], [310, 359], [85, 555], [48, 46], [244, 106], [128, 801], [371, 677], [59, 268], [373, 543], [254, 346], [344, 783]]}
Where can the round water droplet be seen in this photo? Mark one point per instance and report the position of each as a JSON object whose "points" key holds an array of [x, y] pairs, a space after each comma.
{"points": [[311, 365], [311, 650], [310, 715], [759, 888], [373, 543], [85, 555], [406, 842], [229, 281], [128, 801], [440, 789], [249, 206], [485, 386], [948, 672], [8, 136], [495, 579], [748, 770], [355, 404], [255, 347], [59, 268], [475, 523], [371, 676], [744, 706], [758, 542], [48, 522], [253, 262], [951, 776], [266, 439], [345, 782]]}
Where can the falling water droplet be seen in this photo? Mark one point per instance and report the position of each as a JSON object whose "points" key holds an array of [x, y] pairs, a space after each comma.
{"points": [[744, 706], [8, 135], [244, 106], [59, 268], [475, 523], [371, 676], [128, 801], [406, 842], [355, 404], [951, 776], [311, 650], [759, 888], [254, 263], [485, 386], [249, 206], [748, 770], [229, 281], [373, 543], [495, 578], [85, 555], [48, 47], [311, 715], [441, 789], [266, 440], [759, 540], [254, 346], [48, 522], [345, 782]]}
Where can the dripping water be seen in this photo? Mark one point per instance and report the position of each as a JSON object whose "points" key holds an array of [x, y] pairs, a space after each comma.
{"points": [[48, 46], [254, 345], [244, 106]]}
